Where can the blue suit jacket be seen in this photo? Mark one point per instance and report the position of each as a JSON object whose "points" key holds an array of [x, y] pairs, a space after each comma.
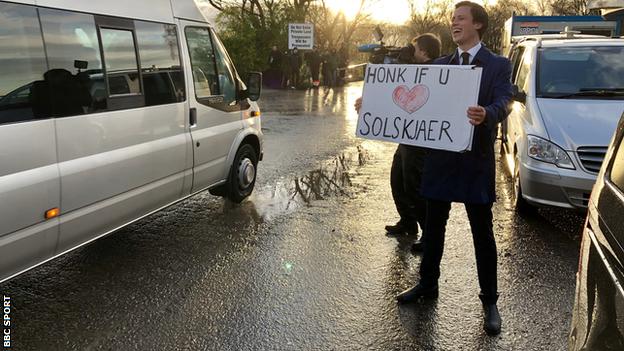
{"points": [[470, 177]]}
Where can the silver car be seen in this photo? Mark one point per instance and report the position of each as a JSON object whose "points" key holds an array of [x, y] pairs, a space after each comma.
{"points": [[569, 94]]}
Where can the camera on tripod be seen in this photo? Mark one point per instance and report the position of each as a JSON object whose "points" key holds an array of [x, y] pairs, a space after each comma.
{"points": [[380, 53]]}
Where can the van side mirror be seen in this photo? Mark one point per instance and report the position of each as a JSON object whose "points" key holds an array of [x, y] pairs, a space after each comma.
{"points": [[518, 94], [254, 85]]}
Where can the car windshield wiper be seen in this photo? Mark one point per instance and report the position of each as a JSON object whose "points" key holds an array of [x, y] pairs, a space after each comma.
{"points": [[592, 92]]}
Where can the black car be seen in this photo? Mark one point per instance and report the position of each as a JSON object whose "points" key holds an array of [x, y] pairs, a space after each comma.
{"points": [[598, 317]]}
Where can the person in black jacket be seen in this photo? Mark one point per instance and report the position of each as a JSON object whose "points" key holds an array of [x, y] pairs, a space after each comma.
{"points": [[294, 64], [314, 62], [467, 177], [408, 160], [276, 60]]}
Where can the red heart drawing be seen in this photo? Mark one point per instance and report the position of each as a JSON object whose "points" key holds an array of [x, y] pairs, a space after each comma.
{"points": [[411, 100]]}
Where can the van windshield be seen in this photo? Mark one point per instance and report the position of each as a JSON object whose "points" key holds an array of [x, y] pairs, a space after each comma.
{"points": [[581, 72]]}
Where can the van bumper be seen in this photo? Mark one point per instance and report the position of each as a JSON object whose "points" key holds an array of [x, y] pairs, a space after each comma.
{"points": [[545, 184]]}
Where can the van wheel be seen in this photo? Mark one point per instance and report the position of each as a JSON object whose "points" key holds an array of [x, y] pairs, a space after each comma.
{"points": [[242, 178], [520, 204]]}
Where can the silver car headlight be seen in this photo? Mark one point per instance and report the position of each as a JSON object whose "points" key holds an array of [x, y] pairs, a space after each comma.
{"points": [[545, 151]]}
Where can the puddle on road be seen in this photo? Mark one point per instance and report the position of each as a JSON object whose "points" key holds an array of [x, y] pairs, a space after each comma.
{"points": [[323, 101], [334, 177]]}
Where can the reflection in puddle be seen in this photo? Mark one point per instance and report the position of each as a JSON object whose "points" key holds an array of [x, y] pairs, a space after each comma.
{"points": [[333, 178], [324, 101]]}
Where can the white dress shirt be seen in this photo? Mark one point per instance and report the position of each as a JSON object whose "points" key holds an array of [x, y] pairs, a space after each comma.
{"points": [[472, 52]]}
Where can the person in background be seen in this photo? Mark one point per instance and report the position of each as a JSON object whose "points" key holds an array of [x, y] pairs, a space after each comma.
{"points": [[276, 58], [343, 62], [427, 47], [294, 64], [408, 160], [314, 62], [332, 66]]}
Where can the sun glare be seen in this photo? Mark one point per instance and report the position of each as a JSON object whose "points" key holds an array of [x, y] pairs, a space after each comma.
{"points": [[392, 11]]}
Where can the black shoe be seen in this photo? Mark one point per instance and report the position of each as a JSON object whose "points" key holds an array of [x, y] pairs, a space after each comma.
{"points": [[413, 294], [418, 247], [400, 229], [411, 231], [491, 319], [396, 229]]}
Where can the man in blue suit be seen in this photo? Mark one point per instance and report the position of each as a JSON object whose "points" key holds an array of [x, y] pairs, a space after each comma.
{"points": [[467, 177]]}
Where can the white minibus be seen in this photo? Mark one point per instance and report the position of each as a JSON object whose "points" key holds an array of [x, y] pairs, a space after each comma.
{"points": [[110, 111]]}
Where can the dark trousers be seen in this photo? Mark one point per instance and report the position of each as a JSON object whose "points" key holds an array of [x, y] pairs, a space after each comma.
{"points": [[480, 217], [293, 77], [405, 177], [315, 71]]}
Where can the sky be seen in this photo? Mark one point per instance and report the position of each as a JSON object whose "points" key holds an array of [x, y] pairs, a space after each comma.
{"points": [[393, 11]]}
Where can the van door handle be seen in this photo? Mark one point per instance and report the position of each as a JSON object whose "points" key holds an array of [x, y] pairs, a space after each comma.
{"points": [[193, 117]]}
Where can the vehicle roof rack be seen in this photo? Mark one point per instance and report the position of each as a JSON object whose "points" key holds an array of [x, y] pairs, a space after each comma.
{"points": [[569, 33], [565, 34]]}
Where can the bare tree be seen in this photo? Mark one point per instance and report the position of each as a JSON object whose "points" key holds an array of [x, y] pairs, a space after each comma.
{"points": [[498, 14], [432, 17], [568, 7], [543, 7], [333, 29]]}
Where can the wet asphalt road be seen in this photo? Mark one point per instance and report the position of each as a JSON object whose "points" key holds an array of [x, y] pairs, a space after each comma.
{"points": [[302, 265]]}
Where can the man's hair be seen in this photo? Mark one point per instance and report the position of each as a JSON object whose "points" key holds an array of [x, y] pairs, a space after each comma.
{"points": [[479, 15], [429, 43]]}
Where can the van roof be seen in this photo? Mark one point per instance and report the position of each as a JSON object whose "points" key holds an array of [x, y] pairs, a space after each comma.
{"points": [[579, 40], [584, 42], [152, 10]]}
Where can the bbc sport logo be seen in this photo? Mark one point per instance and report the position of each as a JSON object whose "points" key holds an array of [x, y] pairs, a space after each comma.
{"points": [[6, 332]]}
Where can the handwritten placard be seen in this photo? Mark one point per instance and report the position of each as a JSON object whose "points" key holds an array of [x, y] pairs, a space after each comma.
{"points": [[422, 105]]}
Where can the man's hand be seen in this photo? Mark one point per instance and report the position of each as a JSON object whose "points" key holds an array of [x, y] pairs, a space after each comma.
{"points": [[476, 115], [358, 104]]}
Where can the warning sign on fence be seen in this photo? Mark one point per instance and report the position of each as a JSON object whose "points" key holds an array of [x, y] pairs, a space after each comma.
{"points": [[301, 36]]}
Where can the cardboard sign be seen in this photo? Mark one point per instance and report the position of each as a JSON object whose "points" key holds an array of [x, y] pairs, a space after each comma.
{"points": [[301, 36], [422, 105]]}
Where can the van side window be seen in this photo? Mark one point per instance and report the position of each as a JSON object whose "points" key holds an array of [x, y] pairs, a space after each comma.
{"points": [[226, 71], [617, 168], [202, 62], [22, 61], [73, 84], [163, 80], [121, 62]]}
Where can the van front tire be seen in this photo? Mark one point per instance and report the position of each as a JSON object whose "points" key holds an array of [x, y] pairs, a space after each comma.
{"points": [[242, 175]]}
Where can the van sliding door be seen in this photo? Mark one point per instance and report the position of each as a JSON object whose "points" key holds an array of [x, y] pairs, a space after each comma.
{"points": [[123, 150], [29, 177]]}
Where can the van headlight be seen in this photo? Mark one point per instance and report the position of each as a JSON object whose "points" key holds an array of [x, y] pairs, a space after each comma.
{"points": [[545, 151]]}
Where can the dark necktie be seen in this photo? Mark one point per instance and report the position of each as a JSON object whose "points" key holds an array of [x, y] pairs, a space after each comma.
{"points": [[465, 58]]}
